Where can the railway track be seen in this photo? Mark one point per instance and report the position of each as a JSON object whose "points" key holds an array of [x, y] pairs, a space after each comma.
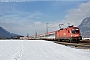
{"points": [[83, 44], [75, 45]]}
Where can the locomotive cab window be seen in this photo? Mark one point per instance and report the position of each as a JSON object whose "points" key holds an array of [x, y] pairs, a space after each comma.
{"points": [[75, 31]]}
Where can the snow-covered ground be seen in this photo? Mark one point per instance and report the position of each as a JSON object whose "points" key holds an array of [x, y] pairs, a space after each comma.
{"points": [[39, 50]]}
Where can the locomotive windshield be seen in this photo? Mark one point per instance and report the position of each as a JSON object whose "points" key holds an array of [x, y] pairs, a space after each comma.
{"points": [[75, 31]]}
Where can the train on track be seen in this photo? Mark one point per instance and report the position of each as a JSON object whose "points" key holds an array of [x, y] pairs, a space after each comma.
{"points": [[69, 34]]}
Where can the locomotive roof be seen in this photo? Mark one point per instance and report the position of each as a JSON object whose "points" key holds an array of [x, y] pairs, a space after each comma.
{"points": [[68, 27]]}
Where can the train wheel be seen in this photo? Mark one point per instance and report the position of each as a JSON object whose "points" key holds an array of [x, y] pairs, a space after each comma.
{"points": [[60, 40], [77, 40], [69, 41]]}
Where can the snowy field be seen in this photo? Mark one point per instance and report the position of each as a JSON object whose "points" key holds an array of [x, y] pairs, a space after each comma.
{"points": [[39, 50]]}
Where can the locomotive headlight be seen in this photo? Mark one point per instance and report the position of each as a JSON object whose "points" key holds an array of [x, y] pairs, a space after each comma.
{"points": [[71, 35]]}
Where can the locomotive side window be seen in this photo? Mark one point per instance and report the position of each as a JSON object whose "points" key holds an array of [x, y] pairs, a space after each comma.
{"points": [[68, 31], [75, 31]]}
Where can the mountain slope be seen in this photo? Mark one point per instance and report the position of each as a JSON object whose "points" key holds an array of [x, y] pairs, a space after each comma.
{"points": [[85, 27], [6, 34]]}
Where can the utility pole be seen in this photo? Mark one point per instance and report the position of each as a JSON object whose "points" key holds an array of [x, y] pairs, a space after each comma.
{"points": [[35, 34], [27, 35], [47, 27]]}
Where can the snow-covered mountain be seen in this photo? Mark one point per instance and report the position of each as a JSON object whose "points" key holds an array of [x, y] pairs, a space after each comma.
{"points": [[6, 34], [39, 50], [85, 27]]}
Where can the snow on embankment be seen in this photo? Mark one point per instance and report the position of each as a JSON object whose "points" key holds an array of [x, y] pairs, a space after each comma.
{"points": [[39, 50]]}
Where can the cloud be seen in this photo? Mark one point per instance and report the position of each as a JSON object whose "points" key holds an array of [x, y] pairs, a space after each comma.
{"points": [[75, 16], [37, 23], [22, 22], [19, 22], [35, 14]]}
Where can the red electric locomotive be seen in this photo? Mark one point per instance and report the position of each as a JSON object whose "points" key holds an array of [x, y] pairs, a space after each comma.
{"points": [[70, 34]]}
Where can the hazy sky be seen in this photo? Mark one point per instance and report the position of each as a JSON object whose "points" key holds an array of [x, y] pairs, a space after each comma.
{"points": [[24, 16]]}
